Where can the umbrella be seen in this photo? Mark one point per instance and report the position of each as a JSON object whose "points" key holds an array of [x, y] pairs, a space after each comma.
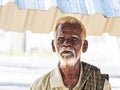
{"points": [[39, 16]]}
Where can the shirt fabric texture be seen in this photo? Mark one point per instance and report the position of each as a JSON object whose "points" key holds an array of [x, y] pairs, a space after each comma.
{"points": [[53, 80]]}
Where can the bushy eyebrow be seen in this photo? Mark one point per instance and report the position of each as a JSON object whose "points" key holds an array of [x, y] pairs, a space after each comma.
{"points": [[71, 36], [75, 36]]}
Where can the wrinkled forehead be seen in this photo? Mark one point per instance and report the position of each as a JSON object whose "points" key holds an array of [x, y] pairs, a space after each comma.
{"points": [[68, 30], [71, 23]]}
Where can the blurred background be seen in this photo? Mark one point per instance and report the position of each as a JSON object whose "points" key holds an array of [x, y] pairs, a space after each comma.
{"points": [[26, 31], [26, 56]]}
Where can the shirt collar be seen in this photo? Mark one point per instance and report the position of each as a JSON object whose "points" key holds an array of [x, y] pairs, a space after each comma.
{"points": [[56, 78], [79, 81]]}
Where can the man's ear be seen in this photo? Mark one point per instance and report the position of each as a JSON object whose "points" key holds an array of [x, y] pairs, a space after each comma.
{"points": [[53, 47], [85, 46]]}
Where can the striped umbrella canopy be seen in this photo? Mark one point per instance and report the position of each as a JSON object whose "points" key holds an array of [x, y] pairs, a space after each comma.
{"points": [[39, 16]]}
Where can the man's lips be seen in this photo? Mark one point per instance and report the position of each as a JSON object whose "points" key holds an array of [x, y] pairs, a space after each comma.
{"points": [[65, 52]]}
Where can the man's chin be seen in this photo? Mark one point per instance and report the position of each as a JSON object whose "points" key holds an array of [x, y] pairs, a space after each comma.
{"points": [[67, 56], [64, 65], [67, 62]]}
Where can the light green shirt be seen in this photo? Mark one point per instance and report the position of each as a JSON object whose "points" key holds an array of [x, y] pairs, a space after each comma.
{"points": [[53, 81]]}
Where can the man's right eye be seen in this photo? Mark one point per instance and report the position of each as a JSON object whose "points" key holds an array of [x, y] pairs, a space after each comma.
{"points": [[61, 39]]}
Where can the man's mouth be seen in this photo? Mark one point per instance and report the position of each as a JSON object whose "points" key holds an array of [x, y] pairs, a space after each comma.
{"points": [[65, 52]]}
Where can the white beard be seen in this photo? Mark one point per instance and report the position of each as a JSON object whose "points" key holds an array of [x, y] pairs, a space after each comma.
{"points": [[68, 59], [68, 62]]}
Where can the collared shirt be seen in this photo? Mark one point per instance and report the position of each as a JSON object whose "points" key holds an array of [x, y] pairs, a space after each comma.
{"points": [[53, 81]]}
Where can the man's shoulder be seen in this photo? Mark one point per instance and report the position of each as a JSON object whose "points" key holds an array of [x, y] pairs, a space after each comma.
{"points": [[92, 67], [42, 79], [95, 69]]}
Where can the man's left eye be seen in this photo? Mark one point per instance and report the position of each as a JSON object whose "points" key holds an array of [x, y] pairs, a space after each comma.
{"points": [[74, 39]]}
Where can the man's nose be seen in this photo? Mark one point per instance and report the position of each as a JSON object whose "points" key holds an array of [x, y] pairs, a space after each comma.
{"points": [[67, 42]]}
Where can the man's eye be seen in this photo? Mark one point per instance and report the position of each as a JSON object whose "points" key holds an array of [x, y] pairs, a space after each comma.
{"points": [[60, 39], [74, 39]]}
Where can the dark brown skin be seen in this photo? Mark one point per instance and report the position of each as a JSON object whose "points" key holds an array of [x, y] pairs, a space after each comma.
{"points": [[70, 75], [69, 35]]}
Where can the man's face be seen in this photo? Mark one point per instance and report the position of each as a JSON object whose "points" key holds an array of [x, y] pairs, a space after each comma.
{"points": [[68, 44]]}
